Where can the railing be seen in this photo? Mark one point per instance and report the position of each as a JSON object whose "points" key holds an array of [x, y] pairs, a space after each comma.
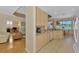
{"points": [[76, 35]]}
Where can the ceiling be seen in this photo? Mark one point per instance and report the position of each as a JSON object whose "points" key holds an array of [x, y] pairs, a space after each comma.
{"points": [[54, 11], [61, 11], [8, 9], [57, 11]]}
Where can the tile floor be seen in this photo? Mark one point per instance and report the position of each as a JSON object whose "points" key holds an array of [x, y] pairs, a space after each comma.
{"points": [[54, 46]]}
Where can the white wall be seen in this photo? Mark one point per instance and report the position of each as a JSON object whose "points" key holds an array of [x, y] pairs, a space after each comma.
{"points": [[3, 21]]}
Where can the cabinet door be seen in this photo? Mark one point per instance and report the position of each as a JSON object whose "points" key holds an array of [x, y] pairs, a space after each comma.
{"points": [[38, 14], [45, 38], [42, 18], [45, 20], [41, 40]]}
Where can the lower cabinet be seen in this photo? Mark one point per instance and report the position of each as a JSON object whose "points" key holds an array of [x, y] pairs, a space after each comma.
{"points": [[41, 40], [58, 34]]}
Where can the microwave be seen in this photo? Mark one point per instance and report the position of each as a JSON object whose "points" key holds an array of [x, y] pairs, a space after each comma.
{"points": [[40, 29]]}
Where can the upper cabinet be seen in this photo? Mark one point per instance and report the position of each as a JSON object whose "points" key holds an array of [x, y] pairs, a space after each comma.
{"points": [[41, 18], [38, 17]]}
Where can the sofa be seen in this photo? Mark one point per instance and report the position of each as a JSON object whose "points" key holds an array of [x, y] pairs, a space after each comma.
{"points": [[17, 35]]}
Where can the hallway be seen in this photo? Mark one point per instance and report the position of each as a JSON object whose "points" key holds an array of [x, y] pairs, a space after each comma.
{"points": [[59, 46]]}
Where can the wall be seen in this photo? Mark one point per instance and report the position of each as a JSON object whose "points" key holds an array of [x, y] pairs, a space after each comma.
{"points": [[30, 29]]}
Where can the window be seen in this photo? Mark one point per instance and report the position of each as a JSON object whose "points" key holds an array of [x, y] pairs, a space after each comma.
{"points": [[66, 24]]}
